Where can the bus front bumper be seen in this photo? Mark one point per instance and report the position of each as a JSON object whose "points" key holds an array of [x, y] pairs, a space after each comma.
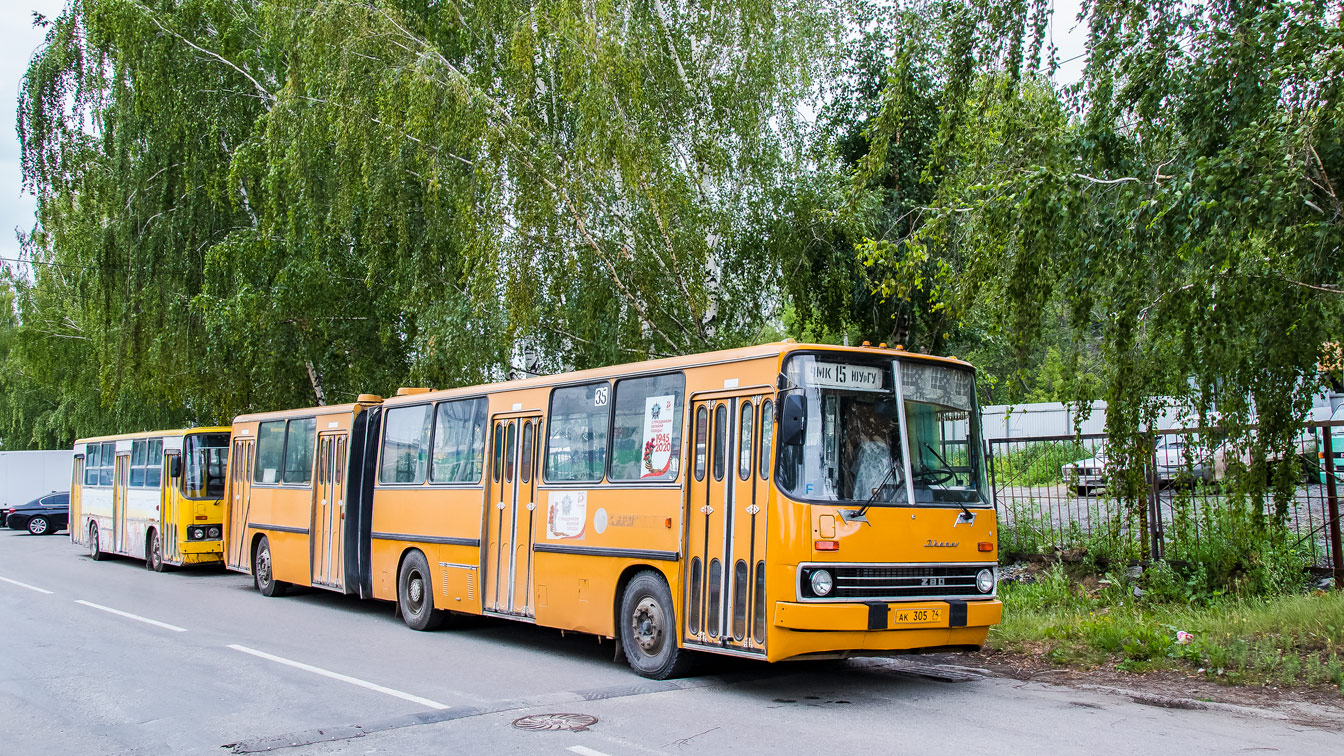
{"points": [[845, 629]]}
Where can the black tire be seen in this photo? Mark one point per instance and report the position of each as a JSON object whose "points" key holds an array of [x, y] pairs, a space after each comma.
{"points": [[96, 552], [261, 571], [648, 626], [154, 552], [39, 525], [415, 594]]}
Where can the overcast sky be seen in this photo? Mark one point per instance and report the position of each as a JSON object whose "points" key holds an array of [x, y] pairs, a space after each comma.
{"points": [[19, 39]]}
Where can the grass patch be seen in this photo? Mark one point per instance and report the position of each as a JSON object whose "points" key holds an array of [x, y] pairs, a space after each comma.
{"points": [[1279, 640]]}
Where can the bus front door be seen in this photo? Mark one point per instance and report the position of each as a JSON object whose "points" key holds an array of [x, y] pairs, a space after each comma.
{"points": [[170, 550], [328, 529], [240, 489], [509, 516], [725, 522]]}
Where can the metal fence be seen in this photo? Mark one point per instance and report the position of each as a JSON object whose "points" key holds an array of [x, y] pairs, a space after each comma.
{"points": [[1054, 493]]}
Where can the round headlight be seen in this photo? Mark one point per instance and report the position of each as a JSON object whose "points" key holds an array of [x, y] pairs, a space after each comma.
{"points": [[984, 581], [197, 533], [821, 582], [214, 532]]}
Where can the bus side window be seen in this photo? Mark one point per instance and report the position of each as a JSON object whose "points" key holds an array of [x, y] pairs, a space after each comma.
{"points": [[646, 430], [405, 445], [138, 464], [270, 452], [459, 442], [299, 450], [576, 442], [154, 463], [109, 463]]}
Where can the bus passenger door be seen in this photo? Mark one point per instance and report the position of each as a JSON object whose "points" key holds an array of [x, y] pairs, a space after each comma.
{"points": [[120, 479], [240, 485], [500, 517], [744, 562], [725, 521], [328, 510], [708, 507], [524, 515]]}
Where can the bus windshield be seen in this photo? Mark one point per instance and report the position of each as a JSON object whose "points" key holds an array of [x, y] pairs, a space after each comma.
{"points": [[942, 429], [852, 448], [205, 457]]}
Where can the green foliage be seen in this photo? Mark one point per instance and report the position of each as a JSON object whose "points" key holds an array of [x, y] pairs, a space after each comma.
{"points": [[289, 202], [1284, 639], [1038, 463]]}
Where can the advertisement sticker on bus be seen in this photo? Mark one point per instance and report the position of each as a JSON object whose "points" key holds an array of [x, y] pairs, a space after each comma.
{"points": [[840, 376], [566, 514], [658, 418]]}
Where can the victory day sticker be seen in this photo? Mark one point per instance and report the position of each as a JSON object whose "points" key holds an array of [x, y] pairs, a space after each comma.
{"points": [[659, 414]]}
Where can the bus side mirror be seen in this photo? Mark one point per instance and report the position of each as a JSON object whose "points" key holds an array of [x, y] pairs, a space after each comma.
{"points": [[175, 466], [792, 419]]}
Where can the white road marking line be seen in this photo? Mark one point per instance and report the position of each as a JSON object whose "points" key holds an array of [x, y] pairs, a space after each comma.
{"points": [[29, 587], [339, 676], [135, 617], [584, 751]]}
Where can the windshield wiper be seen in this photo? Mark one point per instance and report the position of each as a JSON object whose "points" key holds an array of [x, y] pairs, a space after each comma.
{"points": [[856, 515], [947, 466]]}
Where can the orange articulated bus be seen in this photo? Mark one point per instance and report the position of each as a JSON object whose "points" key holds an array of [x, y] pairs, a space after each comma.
{"points": [[774, 502]]}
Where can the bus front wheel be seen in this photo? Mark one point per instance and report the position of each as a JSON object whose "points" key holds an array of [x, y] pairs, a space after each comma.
{"points": [[154, 552], [96, 552], [649, 628], [415, 594], [261, 571]]}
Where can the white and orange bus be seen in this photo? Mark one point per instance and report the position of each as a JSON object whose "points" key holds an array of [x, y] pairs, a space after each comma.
{"points": [[774, 502], [153, 496]]}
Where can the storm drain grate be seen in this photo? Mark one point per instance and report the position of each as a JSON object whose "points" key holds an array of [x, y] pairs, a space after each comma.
{"points": [[571, 722]]}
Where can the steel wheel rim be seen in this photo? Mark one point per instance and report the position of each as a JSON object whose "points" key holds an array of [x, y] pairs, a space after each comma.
{"points": [[264, 566], [648, 625], [155, 553], [93, 541], [415, 593], [37, 526]]}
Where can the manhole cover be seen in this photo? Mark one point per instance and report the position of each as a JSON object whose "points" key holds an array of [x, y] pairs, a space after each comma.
{"points": [[571, 722]]}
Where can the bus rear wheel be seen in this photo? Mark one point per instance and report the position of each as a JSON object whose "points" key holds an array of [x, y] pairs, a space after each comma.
{"points": [[415, 594], [648, 627], [154, 552], [261, 571], [96, 552]]}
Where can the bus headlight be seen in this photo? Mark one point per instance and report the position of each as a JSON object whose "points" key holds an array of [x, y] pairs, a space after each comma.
{"points": [[984, 580], [197, 533], [214, 532], [821, 582]]}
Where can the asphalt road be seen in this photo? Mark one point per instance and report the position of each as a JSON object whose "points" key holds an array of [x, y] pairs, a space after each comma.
{"points": [[107, 658]]}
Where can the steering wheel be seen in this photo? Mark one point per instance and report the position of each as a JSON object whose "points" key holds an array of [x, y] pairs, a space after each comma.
{"points": [[936, 477]]}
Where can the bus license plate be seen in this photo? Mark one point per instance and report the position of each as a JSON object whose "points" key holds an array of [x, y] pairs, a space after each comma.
{"points": [[920, 616]]}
